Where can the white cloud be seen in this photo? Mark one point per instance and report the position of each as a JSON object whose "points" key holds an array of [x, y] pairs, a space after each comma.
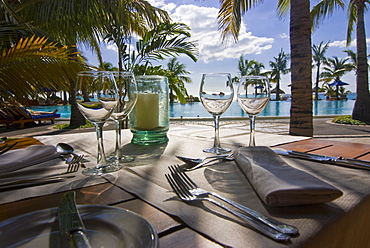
{"points": [[342, 44], [204, 30], [112, 47], [162, 4]]}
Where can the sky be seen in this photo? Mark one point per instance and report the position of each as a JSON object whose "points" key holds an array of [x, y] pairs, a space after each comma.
{"points": [[262, 37]]}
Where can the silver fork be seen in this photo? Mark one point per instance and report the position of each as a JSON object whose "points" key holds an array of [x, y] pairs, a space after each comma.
{"points": [[206, 161], [185, 195], [75, 163], [190, 185], [59, 177]]}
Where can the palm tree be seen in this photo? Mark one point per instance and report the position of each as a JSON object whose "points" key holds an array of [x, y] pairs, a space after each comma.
{"points": [[361, 110], [86, 21], [335, 68], [128, 18], [29, 61], [230, 14], [279, 66], [166, 39], [319, 58], [176, 80], [249, 67], [356, 10]]}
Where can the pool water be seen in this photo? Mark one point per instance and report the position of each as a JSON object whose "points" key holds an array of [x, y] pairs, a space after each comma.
{"points": [[273, 109]]}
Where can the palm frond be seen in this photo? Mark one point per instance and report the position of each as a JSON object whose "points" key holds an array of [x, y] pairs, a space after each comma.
{"points": [[230, 15], [324, 9], [34, 63]]}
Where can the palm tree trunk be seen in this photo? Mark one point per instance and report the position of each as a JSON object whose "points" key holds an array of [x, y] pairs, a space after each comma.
{"points": [[361, 110], [317, 82], [77, 119], [301, 122]]}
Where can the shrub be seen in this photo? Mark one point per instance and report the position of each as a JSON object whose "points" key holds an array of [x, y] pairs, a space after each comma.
{"points": [[347, 119]]}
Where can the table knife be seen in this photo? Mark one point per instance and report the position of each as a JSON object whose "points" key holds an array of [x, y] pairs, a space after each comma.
{"points": [[70, 222], [348, 162]]}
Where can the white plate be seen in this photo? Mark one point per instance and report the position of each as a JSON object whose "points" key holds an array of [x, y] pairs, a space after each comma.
{"points": [[107, 227]]}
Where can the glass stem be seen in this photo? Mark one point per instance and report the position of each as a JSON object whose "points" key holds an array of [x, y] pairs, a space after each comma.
{"points": [[101, 159], [252, 141], [118, 124], [217, 132]]}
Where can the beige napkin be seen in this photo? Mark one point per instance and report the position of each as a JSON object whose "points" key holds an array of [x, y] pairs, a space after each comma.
{"points": [[279, 184], [18, 159]]}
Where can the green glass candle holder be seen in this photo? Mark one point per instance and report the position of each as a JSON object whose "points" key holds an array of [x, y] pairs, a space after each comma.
{"points": [[149, 120]]}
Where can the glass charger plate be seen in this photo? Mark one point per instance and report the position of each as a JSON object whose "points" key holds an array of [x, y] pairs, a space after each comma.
{"points": [[106, 227]]}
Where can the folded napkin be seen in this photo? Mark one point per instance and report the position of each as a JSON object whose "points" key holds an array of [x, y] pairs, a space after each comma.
{"points": [[279, 184], [21, 158]]}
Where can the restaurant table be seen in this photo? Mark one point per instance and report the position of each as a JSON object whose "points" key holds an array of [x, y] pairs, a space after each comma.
{"points": [[343, 222]]}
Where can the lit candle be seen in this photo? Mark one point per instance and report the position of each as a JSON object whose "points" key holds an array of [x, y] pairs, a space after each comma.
{"points": [[147, 111]]}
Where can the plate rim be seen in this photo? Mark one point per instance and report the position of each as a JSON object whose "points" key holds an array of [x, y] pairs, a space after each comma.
{"points": [[87, 206]]}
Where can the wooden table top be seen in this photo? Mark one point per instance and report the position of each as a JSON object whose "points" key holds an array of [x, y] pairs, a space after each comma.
{"points": [[171, 230]]}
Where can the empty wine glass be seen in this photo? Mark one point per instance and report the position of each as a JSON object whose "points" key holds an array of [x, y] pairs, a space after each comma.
{"points": [[127, 91], [216, 93], [98, 91], [253, 95]]}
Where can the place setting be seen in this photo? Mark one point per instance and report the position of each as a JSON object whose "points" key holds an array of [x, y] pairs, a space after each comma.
{"points": [[242, 187]]}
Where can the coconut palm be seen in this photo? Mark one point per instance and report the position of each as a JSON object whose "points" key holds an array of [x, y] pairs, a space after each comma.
{"points": [[319, 58], [166, 39], [87, 21], [301, 122], [176, 80], [29, 62], [335, 68], [279, 67], [356, 10], [249, 67]]}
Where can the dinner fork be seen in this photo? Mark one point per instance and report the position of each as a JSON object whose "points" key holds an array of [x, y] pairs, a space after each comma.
{"points": [[53, 178], [205, 161], [193, 188], [185, 195]]}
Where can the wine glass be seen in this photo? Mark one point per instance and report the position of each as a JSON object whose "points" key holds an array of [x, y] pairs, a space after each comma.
{"points": [[216, 93], [253, 94], [99, 92], [127, 91]]}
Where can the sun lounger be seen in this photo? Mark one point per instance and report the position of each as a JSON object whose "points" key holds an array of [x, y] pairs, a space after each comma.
{"points": [[20, 116]]}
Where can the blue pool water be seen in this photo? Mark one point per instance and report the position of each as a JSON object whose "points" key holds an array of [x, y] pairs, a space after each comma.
{"points": [[273, 109]]}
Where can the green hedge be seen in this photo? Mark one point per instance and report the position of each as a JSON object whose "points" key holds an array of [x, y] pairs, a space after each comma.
{"points": [[347, 119]]}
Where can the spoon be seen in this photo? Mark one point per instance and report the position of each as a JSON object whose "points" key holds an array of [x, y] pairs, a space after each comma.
{"points": [[65, 149]]}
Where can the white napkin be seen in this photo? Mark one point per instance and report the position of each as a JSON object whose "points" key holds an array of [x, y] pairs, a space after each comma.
{"points": [[21, 158], [279, 184]]}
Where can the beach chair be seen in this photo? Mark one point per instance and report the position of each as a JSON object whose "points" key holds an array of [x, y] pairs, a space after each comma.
{"points": [[19, 116]]}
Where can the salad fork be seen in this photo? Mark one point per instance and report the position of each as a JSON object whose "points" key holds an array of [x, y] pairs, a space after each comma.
{"points": [[193, 188], [185, 195]]}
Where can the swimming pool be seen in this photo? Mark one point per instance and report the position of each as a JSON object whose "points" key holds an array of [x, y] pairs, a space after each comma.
{"points": [[273, 109]]}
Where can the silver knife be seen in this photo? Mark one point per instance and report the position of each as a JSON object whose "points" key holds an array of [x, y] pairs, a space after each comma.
{"points": [[70, 222], [348, 162]]}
